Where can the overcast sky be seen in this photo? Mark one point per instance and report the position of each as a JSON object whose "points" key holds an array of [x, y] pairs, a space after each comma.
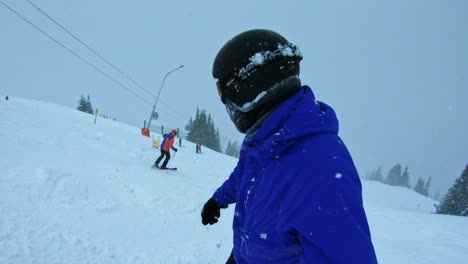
{"points": [[396, 72]]}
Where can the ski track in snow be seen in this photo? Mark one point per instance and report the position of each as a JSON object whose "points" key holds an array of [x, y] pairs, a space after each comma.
{"points": [[75, 192]]}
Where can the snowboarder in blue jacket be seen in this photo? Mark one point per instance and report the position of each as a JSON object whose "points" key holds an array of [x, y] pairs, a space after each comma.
{"points": [[296, 189], [166, 146]]}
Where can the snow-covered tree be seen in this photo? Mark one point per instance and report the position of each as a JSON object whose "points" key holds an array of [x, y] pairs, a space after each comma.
{"points": [[455, 202], [419, 187], [202, 129], [376, 175], [394, 176], [84, 105], [426, 187], [404, 179], [436, 195], [232, 149]]}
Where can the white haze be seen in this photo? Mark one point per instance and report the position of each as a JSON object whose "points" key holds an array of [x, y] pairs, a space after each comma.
{"points": [[395, 71], [72, 191]]}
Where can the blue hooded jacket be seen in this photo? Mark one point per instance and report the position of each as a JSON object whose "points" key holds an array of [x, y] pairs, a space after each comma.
{"points": [[297, 192]]}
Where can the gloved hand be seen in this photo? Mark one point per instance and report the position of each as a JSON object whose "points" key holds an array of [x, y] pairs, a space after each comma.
{"points": [[210, 212]]}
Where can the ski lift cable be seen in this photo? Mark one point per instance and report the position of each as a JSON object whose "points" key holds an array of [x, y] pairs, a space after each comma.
{"points": [[90, 49], [99, 55], [173, 110], [170, 113], [74, 53]]}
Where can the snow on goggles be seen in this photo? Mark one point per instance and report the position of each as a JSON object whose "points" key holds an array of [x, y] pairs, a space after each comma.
{"points": [[256, 61]]}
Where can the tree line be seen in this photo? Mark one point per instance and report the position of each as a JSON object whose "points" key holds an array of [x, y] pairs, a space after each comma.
{"points": [[232, 149], [201, 129], [396, 176], [85, 105], [454, 202]]}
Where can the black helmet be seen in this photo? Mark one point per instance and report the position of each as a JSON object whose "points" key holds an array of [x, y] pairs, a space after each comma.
{"points": [[256, 70]]}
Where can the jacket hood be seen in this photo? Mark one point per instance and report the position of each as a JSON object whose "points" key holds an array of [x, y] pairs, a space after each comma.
{"points": [[297, 116]]}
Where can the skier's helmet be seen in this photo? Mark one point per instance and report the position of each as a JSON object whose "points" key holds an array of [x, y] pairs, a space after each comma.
{"points": [[256, 70], [174, 131]]}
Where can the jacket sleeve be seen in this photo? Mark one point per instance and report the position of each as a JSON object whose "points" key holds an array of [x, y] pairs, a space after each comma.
{"points": [[172, 144], [227, 193], [328, 218]]}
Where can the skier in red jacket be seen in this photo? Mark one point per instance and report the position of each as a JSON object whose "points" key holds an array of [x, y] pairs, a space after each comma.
{"points": [[166, 145]]}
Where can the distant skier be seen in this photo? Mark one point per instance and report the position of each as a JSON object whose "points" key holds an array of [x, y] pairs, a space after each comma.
{"points": [[6, 98], [198, 148], [297, 192], [166, 145]]}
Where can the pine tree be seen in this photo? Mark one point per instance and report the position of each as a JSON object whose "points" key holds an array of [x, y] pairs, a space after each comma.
{"points": [[437, 195], [376, 175], [189, 126], [236, 149], [232, 149], [202, 130], [455, 202], [82, 104], [217, 142], [394, 175], [404, 179], [210, 130], [419, 187], [89, 106], [194, 128], [426, 187], [228, 150]]}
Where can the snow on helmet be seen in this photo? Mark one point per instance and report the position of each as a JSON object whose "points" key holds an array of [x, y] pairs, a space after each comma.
{"points": [[256, 70]]}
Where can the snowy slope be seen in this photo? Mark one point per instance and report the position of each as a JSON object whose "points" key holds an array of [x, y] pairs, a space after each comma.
{"points": [[75, 192], [405, 231]]}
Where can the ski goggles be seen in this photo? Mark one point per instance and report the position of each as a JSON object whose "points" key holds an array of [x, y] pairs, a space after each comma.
{"points": [[256, 61]]}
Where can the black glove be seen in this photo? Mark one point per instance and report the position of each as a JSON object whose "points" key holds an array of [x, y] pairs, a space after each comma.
{"points": [[210, 212]]}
